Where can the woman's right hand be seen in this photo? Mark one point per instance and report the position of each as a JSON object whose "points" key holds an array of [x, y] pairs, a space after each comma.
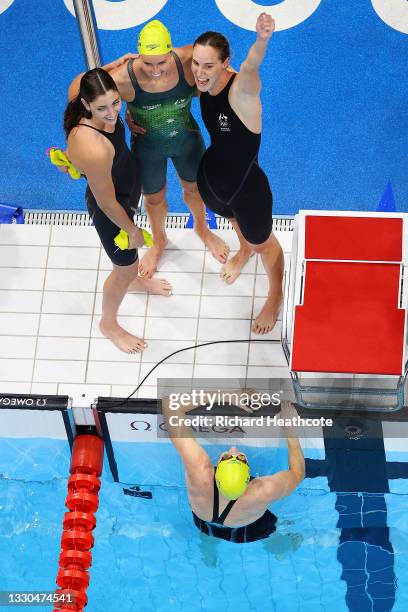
{"points": [[134, 127], [136, 239]]}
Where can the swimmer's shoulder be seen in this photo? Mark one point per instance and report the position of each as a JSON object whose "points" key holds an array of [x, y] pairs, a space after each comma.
{"points": [[89, 148], [185, 55], [121, 77]]}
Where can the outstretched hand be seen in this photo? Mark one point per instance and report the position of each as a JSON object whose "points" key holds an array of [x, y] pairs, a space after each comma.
{"points": [[265, 26], [288, 411]]}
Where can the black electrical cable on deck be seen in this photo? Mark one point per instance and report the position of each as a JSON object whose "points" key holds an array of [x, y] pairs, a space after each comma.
{"points": [[188, 348]]}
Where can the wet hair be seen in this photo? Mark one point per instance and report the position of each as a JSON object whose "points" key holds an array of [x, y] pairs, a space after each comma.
{"points": [[217, 41], [94, 83]]}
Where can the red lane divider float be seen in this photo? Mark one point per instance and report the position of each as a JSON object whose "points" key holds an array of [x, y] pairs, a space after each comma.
{"points": [[77, 538]]}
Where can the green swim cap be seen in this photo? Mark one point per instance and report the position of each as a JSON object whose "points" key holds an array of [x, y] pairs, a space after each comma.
{"points": [[154, 39], [232, 478]]}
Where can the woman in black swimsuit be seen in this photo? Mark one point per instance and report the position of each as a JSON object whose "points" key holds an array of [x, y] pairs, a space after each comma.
{"points": [[230, 181], [98, 149]]}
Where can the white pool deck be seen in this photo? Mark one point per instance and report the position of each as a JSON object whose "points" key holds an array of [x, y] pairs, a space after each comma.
{"points": [[51, 280]]}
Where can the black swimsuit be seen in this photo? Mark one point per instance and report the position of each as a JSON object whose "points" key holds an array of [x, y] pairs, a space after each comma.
{"points": [[126, 180], [229, 179], [258, 530]]}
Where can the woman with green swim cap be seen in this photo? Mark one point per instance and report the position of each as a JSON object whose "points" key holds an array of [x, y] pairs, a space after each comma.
{"points": [[226, 502]]}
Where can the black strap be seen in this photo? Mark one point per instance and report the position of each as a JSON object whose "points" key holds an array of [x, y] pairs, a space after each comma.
{"points": [[226, 511], [216, 506], [92, 127], [215, 503], [179, 65], [132, 76], [119, 121]]}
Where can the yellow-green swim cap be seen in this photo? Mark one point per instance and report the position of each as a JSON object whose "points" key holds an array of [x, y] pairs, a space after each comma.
{"points": [[154, 39], [232, 477]]}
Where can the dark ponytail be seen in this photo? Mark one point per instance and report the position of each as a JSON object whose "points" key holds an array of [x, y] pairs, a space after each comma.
{"points": [[217, 41], [94, 83], [74, 113]]}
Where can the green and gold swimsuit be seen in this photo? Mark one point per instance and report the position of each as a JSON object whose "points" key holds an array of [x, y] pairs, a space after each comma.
{"points": [[172, 131]]}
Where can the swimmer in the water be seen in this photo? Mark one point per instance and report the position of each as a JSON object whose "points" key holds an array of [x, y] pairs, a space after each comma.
{"points": [[229, 179], [96, 146], [226, 501]]}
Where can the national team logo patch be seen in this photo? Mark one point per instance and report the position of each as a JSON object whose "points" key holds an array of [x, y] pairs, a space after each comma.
{"points": [[223, 121]]}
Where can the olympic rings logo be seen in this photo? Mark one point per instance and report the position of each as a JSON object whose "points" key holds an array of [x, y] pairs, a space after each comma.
{"points": [[287, 14]]}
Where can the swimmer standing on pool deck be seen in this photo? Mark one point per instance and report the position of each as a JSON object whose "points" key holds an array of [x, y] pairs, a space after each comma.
{"points": [[158, 87], [229, 179], [226, 501], [97, 148]]}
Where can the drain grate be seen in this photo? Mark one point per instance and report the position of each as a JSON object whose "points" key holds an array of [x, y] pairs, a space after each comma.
{"points": [[172, 222]]}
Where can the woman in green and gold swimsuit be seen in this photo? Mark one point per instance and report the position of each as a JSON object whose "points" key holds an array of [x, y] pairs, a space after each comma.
{"points": [[158, 87]]}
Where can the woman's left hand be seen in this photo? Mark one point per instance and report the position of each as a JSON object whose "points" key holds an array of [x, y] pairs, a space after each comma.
{"points": [[265, 26]]}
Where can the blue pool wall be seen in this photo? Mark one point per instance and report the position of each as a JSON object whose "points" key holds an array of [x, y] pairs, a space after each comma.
{"points": [[334, 95]]}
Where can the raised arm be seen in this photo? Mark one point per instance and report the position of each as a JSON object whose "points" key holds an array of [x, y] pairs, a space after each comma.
{"points": [[248, 81], [285, 482], [196, 461]]}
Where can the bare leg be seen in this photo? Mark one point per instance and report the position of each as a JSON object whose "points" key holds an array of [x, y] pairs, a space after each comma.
{"points": [[156, 208], [121, 280], [114, 291], [218, 248], [232, 269], [272, 259]]}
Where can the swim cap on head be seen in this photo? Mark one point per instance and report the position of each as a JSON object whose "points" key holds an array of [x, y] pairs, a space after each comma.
{"points": [[232, 477], [154, 39]]}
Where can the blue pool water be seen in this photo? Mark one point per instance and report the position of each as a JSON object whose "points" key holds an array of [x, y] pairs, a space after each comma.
{"points": [[333, 550]]}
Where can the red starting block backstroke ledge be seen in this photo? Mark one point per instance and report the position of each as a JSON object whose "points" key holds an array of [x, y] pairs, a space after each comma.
{"points": [[346, 306]]}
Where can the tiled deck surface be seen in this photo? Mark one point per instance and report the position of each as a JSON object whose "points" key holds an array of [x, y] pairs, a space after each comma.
{"points": [[51, 280]]}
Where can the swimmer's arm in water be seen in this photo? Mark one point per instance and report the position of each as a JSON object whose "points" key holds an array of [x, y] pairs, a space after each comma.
{"points": [[96, 163], [196, 461], [248, 81]]}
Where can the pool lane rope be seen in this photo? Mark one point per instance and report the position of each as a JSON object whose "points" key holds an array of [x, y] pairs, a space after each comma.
{"points": [[77, 539]]}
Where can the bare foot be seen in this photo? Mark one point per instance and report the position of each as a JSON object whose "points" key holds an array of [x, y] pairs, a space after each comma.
{"points": [[148, 263], [157, 286], [268, 316], [217, 247], [232, 269], [122, 339]]}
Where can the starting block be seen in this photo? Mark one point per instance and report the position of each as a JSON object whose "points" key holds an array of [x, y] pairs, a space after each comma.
{"points": [[345, 309]]}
